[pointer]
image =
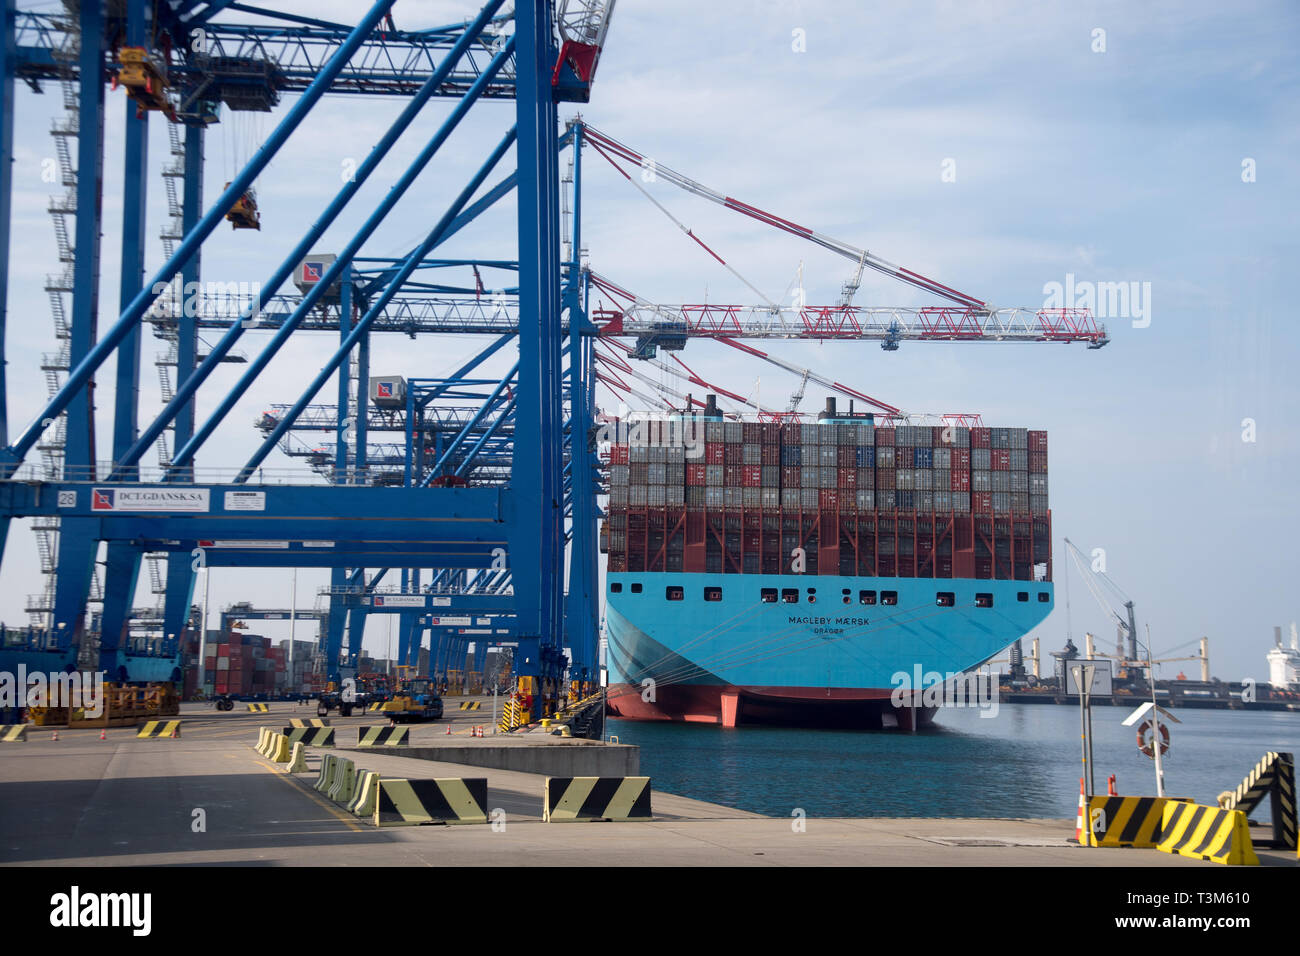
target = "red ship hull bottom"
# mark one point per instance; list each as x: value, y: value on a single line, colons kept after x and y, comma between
x: 864, y: 708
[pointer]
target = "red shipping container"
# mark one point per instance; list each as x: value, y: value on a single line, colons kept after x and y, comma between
x: 961, y: 459
x: 734, y: 454
x: 731, y: 474
x: 981, y: 438
x: 940, y: 437
x: 714, y: 453
x: 223, y: 650
x: 960, y: 481
x: 791, y: 476
x: 771, y: 454
x: 618, y: 454
x: 1001, y: 459
x: 830, y: 499
x: 751, y: 433
x: 1038, y: 441
x: 695, y: 473
x: 751, y: 476
x: 884, y: 436
x: 1038, y: 462
x: 981, y: 502
x: 847, y: 478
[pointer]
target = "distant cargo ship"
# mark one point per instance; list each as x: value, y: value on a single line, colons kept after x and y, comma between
x: 803, y: 573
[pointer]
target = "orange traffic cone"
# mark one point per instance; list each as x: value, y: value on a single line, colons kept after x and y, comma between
x: 56, y: 735
x: 1110, y: 786
x: 176, y: 731
x: 1079, y: 824
x: 103, y: 735
x: 449, y: 730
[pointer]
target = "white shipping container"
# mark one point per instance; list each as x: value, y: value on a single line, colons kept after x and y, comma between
x: 790, y: 499
x: 961, y: 502
x: 618, y: 475
x: 1038, y: 485
x: 638, y: 453
x: 618, y: 496
x: 1019, y: 481
x: 770, y: 497
x: 676, y: 455
x: 733, y: 432
x: 657, y: 473
x: 905, y: 479
x: 943, y: 457
x: 713, y: 475
x: 981, y: 480
x: 809, y: 498
x: 980, y: 459
x: 829, y: 456
x: 866, y: 499
x: 676, y: 496
x: 1038, y: 504
x: 713, y: 497
x: 752, y: 454
x: 829, y: 478
x: 713, y: 431
x: 636, y: 496
x: 1001, y: 502
x: 658, y: 454
x: 751, y: 497
x: 810, y: 477
x: 732, y: 497
x: 885, y: 456
x: 656, y: 496
x: 1001, y: 480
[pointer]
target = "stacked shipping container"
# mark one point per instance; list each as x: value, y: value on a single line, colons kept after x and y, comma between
x: 908, y: 501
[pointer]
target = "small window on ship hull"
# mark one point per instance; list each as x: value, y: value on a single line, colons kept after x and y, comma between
x: 713, y: 594
x: 789, y: 595
x: 767, y: 595
x: 888, y: 597
x: 866, y: 597
x: 945, y: 599
x: 983, y: 599
x: 673, y: 593
x: 615, y: 587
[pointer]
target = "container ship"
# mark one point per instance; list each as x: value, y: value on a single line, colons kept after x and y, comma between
x: 816, y: 573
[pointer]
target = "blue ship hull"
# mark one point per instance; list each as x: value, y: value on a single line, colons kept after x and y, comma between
x: 801, y: 649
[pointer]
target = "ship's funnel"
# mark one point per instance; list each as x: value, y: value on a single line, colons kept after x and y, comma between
x: 1277, y: 636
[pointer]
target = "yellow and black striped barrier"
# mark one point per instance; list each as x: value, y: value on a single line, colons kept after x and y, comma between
x: 308, y: 722
x: 377, y: 705
x: 1207, y: 833
x: 15, y: 734
x: 345, y: 780
x: 1126, y: 821
x: 326, y: 778
x: 297, y: 760
x: 1273, y: 776
x: 258, y: 709
x: 596, y: 798
x: 311, y: 736
x: 160, y: 728
x: 410, y: 803
x: 471, y: 704
x: 362, y: 803
x: 383, y: 736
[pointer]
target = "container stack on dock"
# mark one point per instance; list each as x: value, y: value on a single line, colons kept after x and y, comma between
x: 906, y: 501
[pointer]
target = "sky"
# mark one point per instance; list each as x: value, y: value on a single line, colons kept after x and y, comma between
x: 999, y: 147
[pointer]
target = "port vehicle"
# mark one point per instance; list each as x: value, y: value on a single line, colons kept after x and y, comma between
x: 357, y: 693
x: 416, y: 699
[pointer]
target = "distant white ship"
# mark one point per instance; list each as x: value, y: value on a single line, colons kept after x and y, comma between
x: 1284, y: 662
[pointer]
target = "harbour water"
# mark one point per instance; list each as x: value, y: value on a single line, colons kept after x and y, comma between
x: 1024, y: 762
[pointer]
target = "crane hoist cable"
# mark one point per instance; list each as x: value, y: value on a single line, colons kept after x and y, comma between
x: 599, y: 140
x: 686, y: 229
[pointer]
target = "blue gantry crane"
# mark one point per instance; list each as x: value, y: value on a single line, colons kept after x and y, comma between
x: 488, y: 501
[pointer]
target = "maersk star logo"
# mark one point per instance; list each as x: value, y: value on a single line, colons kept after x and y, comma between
x: 101, y: 500
x: 312, y: 271
x: 385, y: 389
